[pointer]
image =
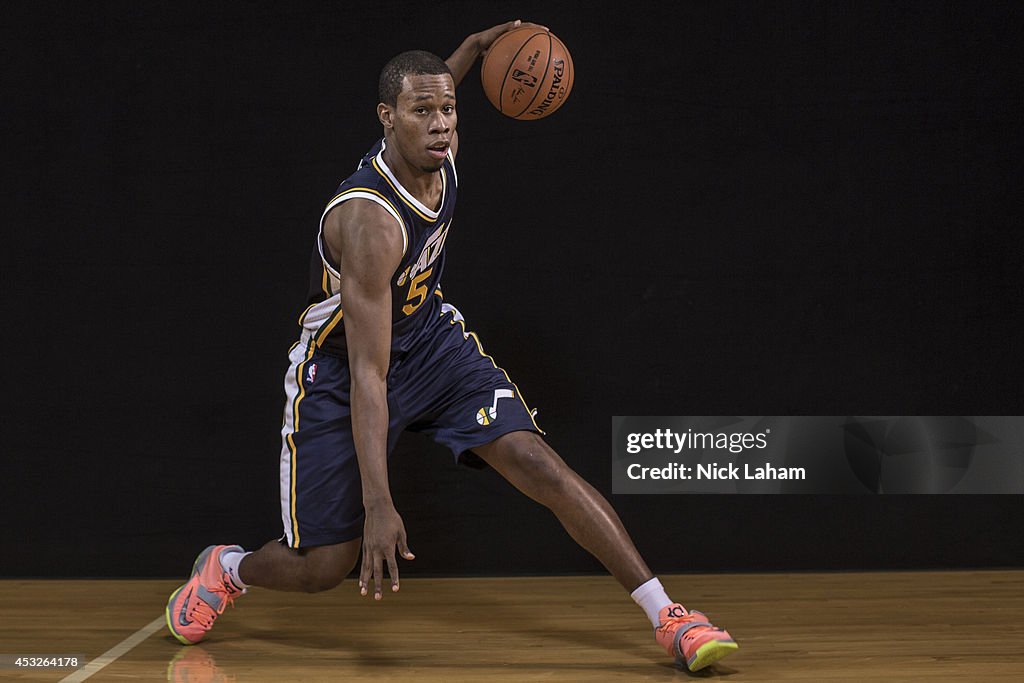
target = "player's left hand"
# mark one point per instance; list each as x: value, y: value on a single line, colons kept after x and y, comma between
x: 486, y: 38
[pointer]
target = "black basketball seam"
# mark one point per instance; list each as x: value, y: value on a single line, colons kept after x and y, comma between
x: 490, y: 51
x: 547, y: 66
x: 501, y: 92
x: 569, y: 71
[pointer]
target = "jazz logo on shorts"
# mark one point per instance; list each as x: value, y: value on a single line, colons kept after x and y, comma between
x: 489, y: 414
x: 311, y: 373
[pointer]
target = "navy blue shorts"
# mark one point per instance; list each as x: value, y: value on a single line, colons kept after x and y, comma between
x: 446, y: 387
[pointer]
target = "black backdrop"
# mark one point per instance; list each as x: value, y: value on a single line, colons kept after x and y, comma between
x: 744, y: 208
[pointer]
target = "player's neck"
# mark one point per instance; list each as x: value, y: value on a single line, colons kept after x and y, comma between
x: 423, y: 185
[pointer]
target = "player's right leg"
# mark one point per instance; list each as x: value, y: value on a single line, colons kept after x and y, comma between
x: 311, y: 570
x: 194, y: 606
x: 321, y: 504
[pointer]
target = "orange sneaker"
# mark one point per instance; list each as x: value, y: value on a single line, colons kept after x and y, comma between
x: 691, y: 638
x: 193, y: 608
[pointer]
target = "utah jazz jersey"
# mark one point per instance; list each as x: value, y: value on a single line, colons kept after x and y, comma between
x: 415, y: 284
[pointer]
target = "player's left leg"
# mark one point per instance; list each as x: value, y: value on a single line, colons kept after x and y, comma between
x: 533, y: 467
x: 483, y: 412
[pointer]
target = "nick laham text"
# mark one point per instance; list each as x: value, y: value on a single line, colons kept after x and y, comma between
x: 714, y: 471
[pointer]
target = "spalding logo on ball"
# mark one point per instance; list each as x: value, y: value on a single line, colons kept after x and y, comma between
x: 527, y: 73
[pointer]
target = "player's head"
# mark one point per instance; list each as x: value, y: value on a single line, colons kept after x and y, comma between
x: 417, y: 108
x: 411, y: 63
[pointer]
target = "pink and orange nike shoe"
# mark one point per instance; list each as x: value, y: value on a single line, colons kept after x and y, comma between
x: 691, y: 638
x: 194, y: 607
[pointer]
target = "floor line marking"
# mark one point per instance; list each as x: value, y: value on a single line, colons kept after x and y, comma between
x: 118, y: 650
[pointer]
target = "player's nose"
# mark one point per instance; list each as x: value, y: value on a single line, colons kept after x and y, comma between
x: 439, y: 123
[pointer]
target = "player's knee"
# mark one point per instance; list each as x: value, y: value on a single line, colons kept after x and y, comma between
x: 542, y: 465
x: 324, y: 571
x: 320, y: 582
x: 323, y: 578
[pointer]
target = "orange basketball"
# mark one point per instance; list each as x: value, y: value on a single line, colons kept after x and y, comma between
x: 527, y: 73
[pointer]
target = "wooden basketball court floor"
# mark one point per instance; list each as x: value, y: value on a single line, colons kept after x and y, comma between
x: 895, y: 626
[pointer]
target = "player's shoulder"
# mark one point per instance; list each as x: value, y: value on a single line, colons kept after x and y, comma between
x: 370, y: 155
x: 367, y: 224
x: 366, y: 182
x: 364, y: 207
x: 367, y: 171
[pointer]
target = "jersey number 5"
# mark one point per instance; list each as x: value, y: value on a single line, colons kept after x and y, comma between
x: 417, y: 292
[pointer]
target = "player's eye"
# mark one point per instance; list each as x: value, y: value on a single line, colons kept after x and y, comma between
x: 448, y: 109
x: 421, y: 110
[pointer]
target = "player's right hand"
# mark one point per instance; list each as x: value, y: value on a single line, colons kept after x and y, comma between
x: 486, y: 38
x: 383, y: 531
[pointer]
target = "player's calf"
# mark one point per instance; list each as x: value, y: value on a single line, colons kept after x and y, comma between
x: 307, y: 570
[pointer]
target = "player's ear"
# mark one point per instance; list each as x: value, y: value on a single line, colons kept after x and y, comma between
x: 385, y: 114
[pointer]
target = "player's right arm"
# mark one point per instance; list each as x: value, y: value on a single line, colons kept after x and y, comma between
x: 369, y: 246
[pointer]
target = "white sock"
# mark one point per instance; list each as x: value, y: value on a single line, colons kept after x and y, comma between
x: 652, y: 598
x: 230, y: 560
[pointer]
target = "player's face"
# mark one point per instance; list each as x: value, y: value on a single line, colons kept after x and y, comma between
x: 424, y: 120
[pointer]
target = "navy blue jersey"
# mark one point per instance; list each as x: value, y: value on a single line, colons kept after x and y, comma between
x: 415, y: 284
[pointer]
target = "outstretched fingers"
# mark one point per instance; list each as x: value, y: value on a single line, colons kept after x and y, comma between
x: 371, y: 570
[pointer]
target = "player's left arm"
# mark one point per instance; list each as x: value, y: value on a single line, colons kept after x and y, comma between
x: 477, y: 44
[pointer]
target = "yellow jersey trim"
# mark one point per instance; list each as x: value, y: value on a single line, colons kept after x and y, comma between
x: 299, y: 372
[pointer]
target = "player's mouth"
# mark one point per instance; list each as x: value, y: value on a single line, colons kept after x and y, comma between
x: 438, y: 150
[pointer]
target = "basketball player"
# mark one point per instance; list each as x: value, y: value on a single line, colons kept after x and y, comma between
x: 381, y: 352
